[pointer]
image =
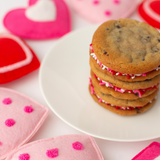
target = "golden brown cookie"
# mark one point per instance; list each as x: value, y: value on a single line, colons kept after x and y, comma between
x: 121, y: 111
x: 127, y: 46
x: 123, y: 84
x: 149, y: 75
x: 117, y: 94
x: 124, y: 102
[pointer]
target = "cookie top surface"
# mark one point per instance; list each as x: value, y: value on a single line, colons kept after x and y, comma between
x: 127, y: 46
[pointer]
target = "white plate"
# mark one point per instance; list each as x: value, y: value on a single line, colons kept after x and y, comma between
x: 64, y: 82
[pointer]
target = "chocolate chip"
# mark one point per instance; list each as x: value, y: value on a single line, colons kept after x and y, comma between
x: 107, y: 28
x: 136, y: 94
x: 145, y: 39
x: 148, y: 80
x: 155, y: 49
x: 118, y: 26
x: 158, y: 40
x: 138, y: 110
x: 105, y: 52
x: 143, y: 59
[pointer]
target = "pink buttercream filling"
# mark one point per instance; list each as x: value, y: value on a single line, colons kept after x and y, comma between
x: 116, y: 107
x: 139, y: 91
x: 118, y: 73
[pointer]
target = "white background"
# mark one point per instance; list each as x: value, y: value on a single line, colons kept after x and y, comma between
x: 29, y: 85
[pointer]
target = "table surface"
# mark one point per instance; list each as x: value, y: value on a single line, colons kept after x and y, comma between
x: 29, y: 85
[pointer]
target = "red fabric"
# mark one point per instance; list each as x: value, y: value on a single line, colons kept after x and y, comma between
x: 10, y: 53
x: 155, y: 5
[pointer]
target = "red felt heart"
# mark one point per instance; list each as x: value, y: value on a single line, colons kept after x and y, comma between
x: 17, y: 59
x: 9, y: 47
x: 150, y: 11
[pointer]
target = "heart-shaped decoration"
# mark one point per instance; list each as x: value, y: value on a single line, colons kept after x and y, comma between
x: 17, y: 125
x: 60, y: 148
x: 150, y: 12
x: 42, y: 19
x: 16, y: 60
x: 150, y: 152
x: 103, y: 10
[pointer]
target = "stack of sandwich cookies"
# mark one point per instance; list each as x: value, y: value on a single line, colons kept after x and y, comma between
x: 125, y: 66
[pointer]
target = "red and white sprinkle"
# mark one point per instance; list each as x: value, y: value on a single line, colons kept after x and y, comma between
x: 118, y: 73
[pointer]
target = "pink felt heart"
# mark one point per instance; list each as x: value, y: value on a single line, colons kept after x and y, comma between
x: 16, y: 125
x: 60, y: 148
x: 17, y: 21
x: 102, y: 10
x: 152, y: 152
x: 150, y: 12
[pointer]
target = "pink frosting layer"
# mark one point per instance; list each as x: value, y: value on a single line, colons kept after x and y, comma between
x: 116, y: 107
x: 139, y: 91
x: 118, y: 73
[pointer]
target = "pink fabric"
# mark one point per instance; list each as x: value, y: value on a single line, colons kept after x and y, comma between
x: 37, y: 150
x: 24, y: 156
x: 77, y: 146
x: 52, y: 153
x: 25, y: 126
x: 149, y: 153
x: 17, y: 23
x: 7, y: 101
x: 100, y: 11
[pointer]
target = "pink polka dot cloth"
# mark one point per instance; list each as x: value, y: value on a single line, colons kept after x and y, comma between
x: 152, y: 152
x: 60, y: 148
x: 99, y: 11
x: 20, y: 119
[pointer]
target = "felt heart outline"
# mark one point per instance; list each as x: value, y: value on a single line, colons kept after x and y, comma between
x: 148, y: 9
x: 19, y: 64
